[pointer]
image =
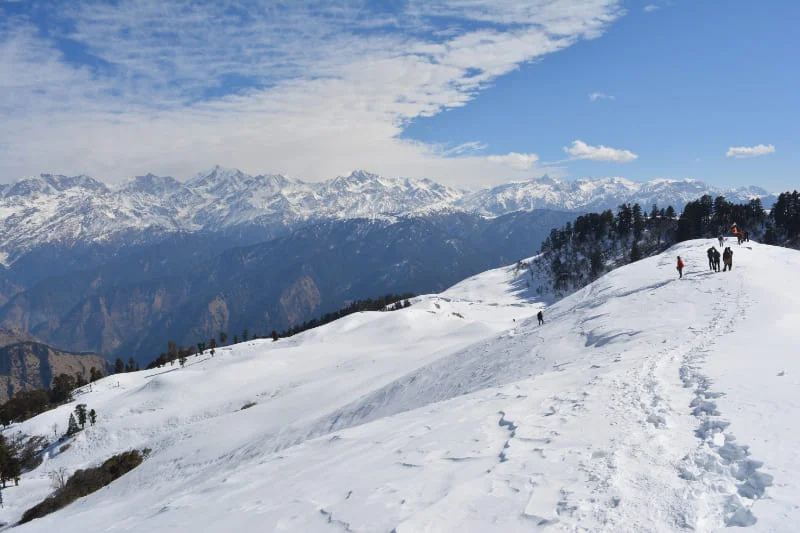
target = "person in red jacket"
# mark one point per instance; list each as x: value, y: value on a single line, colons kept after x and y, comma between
x: 680, y: 267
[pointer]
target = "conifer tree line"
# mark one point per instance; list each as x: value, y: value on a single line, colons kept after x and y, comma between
x: 180, y: 354
x: 390, y: 302
x: 709, y: 217
x: 595, y: 243
x: 121, y: 368
x: 27, y: 404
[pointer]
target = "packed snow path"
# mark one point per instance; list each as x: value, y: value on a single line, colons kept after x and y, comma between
x: 645, y: 403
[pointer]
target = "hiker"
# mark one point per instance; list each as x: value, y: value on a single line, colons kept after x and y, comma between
x: 716, y: 260
x: 540, y: 316
x: 710, y: 254
x: 680, y: 267
x: 746, y: 236
x: 721, y: 241
x: 727, y: 259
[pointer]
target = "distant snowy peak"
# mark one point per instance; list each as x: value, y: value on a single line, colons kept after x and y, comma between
x: 50, y: 184
x: 54, y: 208
x: 152, y: 185
x: 596, y: 194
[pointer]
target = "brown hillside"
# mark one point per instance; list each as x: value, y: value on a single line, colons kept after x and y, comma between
x: 32, y: 365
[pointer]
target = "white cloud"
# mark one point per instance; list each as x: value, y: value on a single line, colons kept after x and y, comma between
x: 515, y: 160
x: 467, y: 148
x: 328, y: 87
x: 600, y: 96
x: 740, y: 152
x: 649, y: 8
x: 581, y: 150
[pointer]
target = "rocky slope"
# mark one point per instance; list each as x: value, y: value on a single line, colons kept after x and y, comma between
x: 31, y: 365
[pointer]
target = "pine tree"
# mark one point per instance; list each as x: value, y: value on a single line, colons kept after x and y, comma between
x: 72, y: 425
x: 92, y: 417
x: 636, y: 254
x: 131, y: 365
x: 80, y: 411
x: 244, y: 335
x: 5, y: 457
x: 95, y: 374
x: 182, y: 359
x: 223, y: 338
x: 119, y: 366
x: 235, y: 339
x: 274, y: 335
x: 62, y: 387
x: 172, y: 351
x: 638, y: 222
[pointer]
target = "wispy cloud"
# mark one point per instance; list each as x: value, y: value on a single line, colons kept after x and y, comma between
x: 306, y: 88
x: 515, y: 160
x: 471, y: 148
x: 600, y: 96
x: 583, y: 151
x: 741, y: 152
x: 649, y: 8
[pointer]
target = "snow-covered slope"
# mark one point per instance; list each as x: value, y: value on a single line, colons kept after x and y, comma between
x: 644, y: 403
x: 67, y: 210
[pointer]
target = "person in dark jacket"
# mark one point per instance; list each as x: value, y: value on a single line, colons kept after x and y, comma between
x: 716, y: 260
x: 710, y: 253
x: 540, y: 316
x: 727, y: 259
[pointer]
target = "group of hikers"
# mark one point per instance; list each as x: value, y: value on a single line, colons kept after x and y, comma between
x: 714, y: 255
x: 713, y: 259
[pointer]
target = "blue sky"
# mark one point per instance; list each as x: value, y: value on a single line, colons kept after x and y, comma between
x: 468, y: 93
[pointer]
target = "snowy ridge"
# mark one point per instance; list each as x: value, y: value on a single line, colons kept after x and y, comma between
x: 69, y: 210
x: 596, y: 194
x: 644, y: 403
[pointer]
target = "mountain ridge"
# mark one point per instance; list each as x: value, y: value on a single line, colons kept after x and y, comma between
x: 49, y: 209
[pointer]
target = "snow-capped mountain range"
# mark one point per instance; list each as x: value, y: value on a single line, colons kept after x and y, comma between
x: 67, y: 210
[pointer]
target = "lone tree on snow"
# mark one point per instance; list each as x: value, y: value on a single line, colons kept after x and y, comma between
x: 72, y: 425
x: 80, y: 410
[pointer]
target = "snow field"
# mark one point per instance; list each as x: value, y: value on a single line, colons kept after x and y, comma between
x: 645, y: 403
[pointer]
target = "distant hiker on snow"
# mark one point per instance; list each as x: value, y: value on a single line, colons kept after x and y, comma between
x: 727, y: 259
x: 680, y: 267
x: 716, y: 260
x: 540, y: 316
x: 721, y: 241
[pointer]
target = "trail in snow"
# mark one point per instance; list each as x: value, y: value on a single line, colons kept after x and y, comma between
x: 462, y: 414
